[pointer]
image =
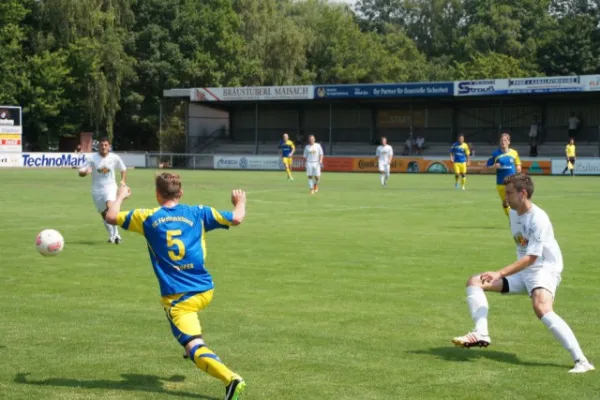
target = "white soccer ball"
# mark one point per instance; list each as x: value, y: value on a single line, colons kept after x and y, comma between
x: 49, y: 242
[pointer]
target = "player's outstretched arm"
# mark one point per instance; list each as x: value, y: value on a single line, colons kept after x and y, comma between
x: 238, y: 199
x: 115, y: 207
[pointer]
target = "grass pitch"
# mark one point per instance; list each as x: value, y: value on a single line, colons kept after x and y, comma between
x: 353, y: 293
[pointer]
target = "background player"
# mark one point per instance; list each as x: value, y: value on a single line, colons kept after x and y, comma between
x: 570, y: 153
x: 459, y: 155
x: 384, y: 154
x: 175, y: 233
x: 104, y: 188
x: 537, y: 272
x: 506, y: 161
x: 287, y: 152
x: 313, y: 155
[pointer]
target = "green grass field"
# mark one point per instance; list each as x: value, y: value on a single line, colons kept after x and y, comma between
x: 353, y: 293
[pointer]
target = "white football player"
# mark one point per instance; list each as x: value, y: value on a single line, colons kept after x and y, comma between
x: 104, y: 188
x: 384, y: 155
x: 536, y: 272
x: 313, y: 156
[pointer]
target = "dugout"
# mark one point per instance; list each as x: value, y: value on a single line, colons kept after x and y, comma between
x: 259, y: 123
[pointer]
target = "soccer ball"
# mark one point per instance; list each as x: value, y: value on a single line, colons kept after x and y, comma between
x: 49, y: 242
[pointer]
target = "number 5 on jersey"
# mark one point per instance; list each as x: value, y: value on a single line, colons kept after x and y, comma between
x: 172, y: 242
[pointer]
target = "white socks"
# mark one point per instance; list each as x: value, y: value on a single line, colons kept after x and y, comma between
x: 383, y: 178
x: 563, y: 333
x: 111, y: 229
x: 311, y: 185
x: 478, y: 306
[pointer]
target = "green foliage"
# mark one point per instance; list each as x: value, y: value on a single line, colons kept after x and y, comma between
x: 101, y: 65
x: 491, y: 65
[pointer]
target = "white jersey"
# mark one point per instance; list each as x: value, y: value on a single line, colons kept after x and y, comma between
x: 384, y: 154
x: 103, y: 171
x: 313, y: 153
x: 534, y: 235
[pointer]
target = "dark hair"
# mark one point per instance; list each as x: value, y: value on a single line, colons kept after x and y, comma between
x: 520, y: 182
x: 104, y: 139
x: 168, y: 185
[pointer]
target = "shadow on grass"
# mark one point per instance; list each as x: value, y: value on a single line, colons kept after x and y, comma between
x: 130, y: 382
x: 461, y: 355
x: 87, y: 242
x: 473, y: 227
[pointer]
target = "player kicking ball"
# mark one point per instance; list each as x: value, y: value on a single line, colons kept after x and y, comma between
x: 175, y: 234
x: 104, y: 188
x: 537, y: 272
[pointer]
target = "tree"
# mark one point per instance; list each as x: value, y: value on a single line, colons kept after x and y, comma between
x: 12, y: 55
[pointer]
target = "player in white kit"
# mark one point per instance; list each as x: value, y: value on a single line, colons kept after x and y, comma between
x: 384, y: 155
x: 313, y: 156
x: 104, y: 188
x: 537, y: 272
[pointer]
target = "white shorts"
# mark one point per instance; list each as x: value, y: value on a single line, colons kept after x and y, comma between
x: 527, y: 280
x: 313, y: 169
x: 100, y: 199
x: 384, y: 167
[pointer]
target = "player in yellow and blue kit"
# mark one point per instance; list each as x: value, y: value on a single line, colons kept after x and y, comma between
x: 175, y: 236
x: 506, y: 161
x: 287, y: 152
x: 459, y: 155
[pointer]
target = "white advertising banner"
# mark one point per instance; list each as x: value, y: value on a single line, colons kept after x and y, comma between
x: 552, y: 84
x: 252, y: 93
x: 484, y: 87
x: 591, y: 83
x: 11, y: 142
x: 60, y: 160
x: 248, y: 162
x: 10, y: 160
x: 583, y: 166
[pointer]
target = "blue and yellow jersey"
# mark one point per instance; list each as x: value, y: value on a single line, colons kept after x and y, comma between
x: 508, y: 164
x: 286, y: 148
x: 176, y: 242
x: 460, y: 152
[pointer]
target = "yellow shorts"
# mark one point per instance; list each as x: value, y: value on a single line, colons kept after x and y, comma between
x: 501, y: 191
x: 460, y: 168
x: 182, y: 311
x: 287, y: 162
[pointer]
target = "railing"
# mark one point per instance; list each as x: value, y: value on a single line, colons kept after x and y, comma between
x: 203, y: 143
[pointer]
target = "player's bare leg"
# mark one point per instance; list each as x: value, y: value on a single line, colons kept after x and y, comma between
x: 542, y: 301
x: 288, y: 171
x: 478, y: 307
x: 316, y: 179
